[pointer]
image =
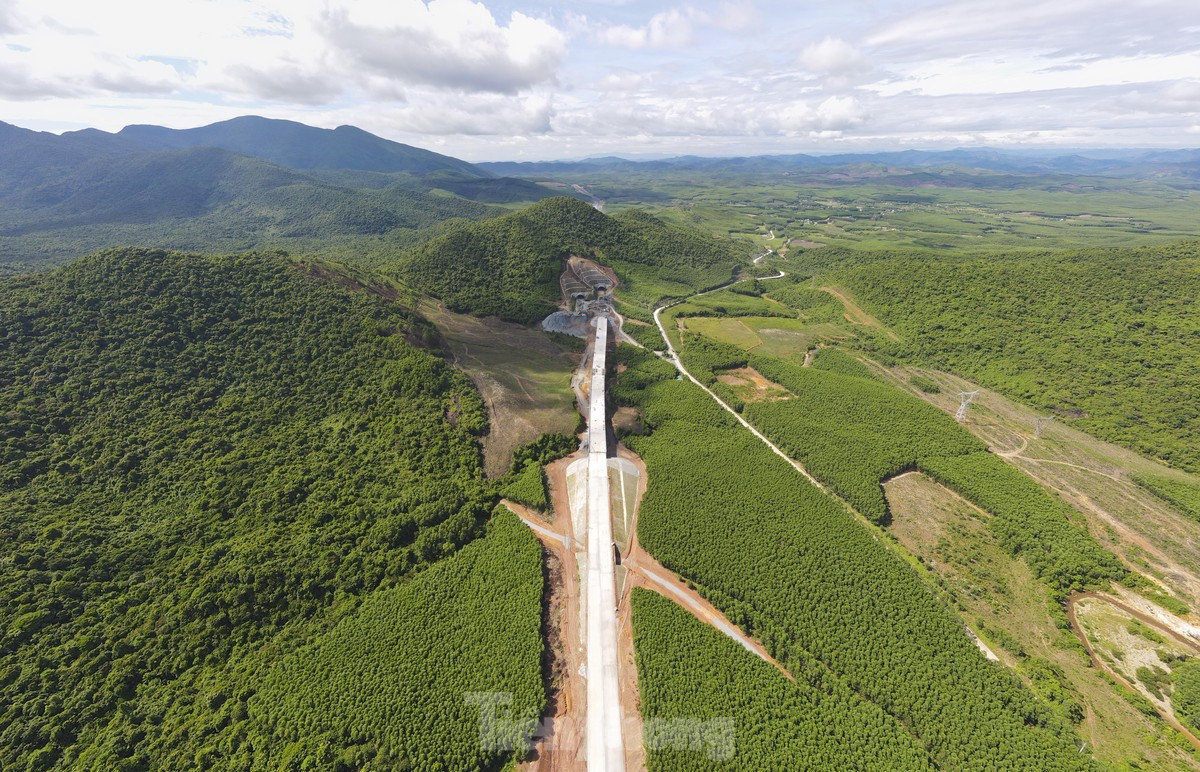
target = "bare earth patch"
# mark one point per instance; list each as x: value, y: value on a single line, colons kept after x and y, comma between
x: 750, y: 385
x: 522, y: 375
x: 1010, y: 607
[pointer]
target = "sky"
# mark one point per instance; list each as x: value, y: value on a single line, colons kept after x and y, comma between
x: 537, y: 80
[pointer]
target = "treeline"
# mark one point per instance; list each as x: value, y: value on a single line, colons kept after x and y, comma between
x: 815, y: 305
x: 1181, y: 494
x: 509, y: 266
x: 526, y: 481
x: 1105, y: 339
x: 785, y: 562
x: 729, y: 302
x: 853, y: 433
x: 204, y: 460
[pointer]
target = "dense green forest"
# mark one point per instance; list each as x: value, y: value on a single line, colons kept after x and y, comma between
x: 509, y: 266
x: 205, y: 463
x: 707, y: 703
x: 1106, y: 339
x: 526, y: 481
x: 788, y: 564
x: 208, y: 199
x: 1185, y: 695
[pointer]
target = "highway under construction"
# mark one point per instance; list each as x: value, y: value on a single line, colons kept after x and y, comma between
x: 605, y: 749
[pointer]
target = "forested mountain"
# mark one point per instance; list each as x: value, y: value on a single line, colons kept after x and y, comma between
x: 509, y: 266
x: 239, y: 192
x: 298, y: 146
x: 286, y: 143
x: 208, y: 464
x: 243, y: 184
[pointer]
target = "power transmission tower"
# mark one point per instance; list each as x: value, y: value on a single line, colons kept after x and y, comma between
x: 1040, y: 424
x: 966, y: 397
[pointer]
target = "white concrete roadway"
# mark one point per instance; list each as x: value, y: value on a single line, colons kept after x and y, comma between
x: 605, y: 749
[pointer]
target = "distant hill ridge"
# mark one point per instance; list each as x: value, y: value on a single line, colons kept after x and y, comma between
x: 298, y: 146
x: 287, y: 143
x: 245, y: 183
x: 1116, y: 162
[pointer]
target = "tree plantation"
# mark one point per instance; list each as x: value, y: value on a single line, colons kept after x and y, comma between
x: 784, y: 561
x: 710, y: 704
x: 853, y: 432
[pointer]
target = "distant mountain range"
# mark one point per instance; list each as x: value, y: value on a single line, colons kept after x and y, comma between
x: 239, y: 184
x: 254, y: 182
x: 1185, y: 163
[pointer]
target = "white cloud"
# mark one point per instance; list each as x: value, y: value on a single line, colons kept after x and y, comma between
x: 1026, y: 72
x: 668, y: 29
x: 447, y: 43
x: 441, y: 114
x: 1069, y: 27
x: 834, y: 114
x: 314, y: 52
x: 622, y: 81
x: 832, y: 55
x: 677, y: 27
x: 39, y: 71
x: 8, y: 19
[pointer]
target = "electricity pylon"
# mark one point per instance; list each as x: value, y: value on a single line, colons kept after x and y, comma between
x: 1039, y: 426
x: 966, y: 397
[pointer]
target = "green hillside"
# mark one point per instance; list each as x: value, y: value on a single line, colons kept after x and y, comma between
x: 1104, y: 339
x: 209, y: 199
x: 205, y: 464
x: 245, y: 184
x: 509, y: 266
x: 298, y: 146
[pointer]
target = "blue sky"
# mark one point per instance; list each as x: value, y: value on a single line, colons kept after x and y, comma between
x: 540, y: 80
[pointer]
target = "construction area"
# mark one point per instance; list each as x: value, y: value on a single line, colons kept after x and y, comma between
x: 586, y: 294
x: 591, y: 544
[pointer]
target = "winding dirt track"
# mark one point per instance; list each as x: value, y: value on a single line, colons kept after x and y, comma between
x: 1100, y: 664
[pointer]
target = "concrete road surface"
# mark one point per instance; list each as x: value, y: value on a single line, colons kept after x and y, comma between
x: 605, y: 750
